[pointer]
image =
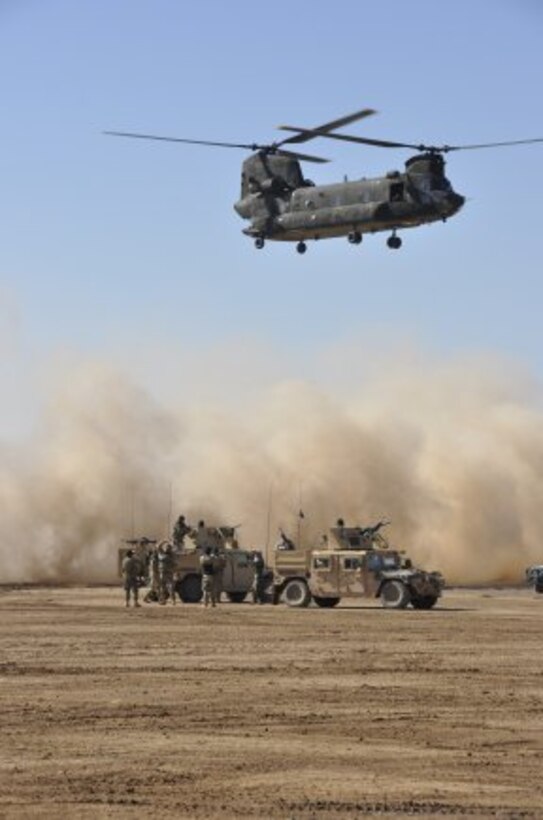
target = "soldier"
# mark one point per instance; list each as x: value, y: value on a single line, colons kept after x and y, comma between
x: 179, y: 531
x: 258, y: 581
x: 284, y: 543
x: 207, y: 567
x: 200, y: 535
x: 219, y: 563
x: 131, y: 576
x: 154, y: 578
x: 165, y: 573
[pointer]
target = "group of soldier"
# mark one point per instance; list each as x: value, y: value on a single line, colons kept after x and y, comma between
x: 160, y: 568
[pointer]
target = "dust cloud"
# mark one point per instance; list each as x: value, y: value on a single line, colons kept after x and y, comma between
x: 450, y: 452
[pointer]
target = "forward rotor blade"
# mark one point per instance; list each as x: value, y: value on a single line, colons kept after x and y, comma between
x: 305, y: 134
x: 270, y: 149
x: 296, y: 155
x: 250, y: 147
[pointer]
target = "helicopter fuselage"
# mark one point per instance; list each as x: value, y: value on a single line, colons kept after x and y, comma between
x: 283, y: 206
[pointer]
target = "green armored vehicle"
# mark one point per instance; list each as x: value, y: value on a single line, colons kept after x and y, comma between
x: 353, y: 562
x: 237, y: 565
x: 237, y: 571
x: 534, y: 577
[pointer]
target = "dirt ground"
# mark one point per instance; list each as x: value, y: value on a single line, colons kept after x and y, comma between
x: 266, y: 711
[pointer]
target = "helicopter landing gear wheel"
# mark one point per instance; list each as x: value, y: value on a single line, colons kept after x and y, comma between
x: 301, y: 247
x: 394, y: 242
x: 259, y: 242
x: 355, y: 238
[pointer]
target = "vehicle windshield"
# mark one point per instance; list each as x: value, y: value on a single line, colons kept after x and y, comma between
x: 381, y: 561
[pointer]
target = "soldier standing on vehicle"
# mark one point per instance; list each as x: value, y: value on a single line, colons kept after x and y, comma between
x: 208, y: 568
x: 180, y: 530
x: 131, y: 570
x: 200, y: 535
x: 284, y: 543
x: 165, y: 573
x: 219, y: 563
x: 258, y: 581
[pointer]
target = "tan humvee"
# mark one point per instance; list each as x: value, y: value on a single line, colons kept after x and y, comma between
x: 353, y: 562
x: 237, y: 573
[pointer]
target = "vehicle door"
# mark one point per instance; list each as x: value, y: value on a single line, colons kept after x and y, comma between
x: 238, y: 572
x: 323, y: 579
x: 351, y: 578
x: 371, y: 573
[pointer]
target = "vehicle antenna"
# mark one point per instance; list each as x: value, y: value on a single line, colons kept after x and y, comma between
x: 169, y: 518
x: 301, y: 515
x: 268, y: 523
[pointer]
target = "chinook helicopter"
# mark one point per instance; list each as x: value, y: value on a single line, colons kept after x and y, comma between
x: 282, y: 205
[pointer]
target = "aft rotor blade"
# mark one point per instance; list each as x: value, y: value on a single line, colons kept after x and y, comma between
x: 305, y: 134
x: 250, y: 147
x: 446, y: 148
x: 437, y: 149
x: 349, y: 138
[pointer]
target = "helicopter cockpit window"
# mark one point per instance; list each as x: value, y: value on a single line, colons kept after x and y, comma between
x: 440, y: 183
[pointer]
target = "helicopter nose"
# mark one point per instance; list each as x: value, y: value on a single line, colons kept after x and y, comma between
x: 457, y: 200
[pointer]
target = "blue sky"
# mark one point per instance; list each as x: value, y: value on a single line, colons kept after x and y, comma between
x: 123, y: 249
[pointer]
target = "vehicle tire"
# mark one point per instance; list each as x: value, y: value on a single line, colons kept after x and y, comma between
x: 236, y: 597
x: 190, y: 589
x: 423, y: 602
x: 326, y: 603
x: 296, y: 593
x: 394, y: 595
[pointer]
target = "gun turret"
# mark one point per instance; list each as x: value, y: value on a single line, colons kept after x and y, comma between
x: 369, y: 532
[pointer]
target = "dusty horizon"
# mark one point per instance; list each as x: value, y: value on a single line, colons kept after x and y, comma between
x: 450, y: 452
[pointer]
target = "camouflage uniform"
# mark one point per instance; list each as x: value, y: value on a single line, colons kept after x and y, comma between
x: 180, y: 530
x: 154, y: 579
x: 200, y: 536
x: 208, y: 569
x: 131, y: 570
x: 165, y: 573
x: 257, y: 588
x: 219, y: 563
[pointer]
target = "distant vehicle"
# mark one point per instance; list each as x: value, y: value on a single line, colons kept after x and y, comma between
x: 282, y: 205
x: 534, y: 577
x: 354, y: 562
x: 237, y: 575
